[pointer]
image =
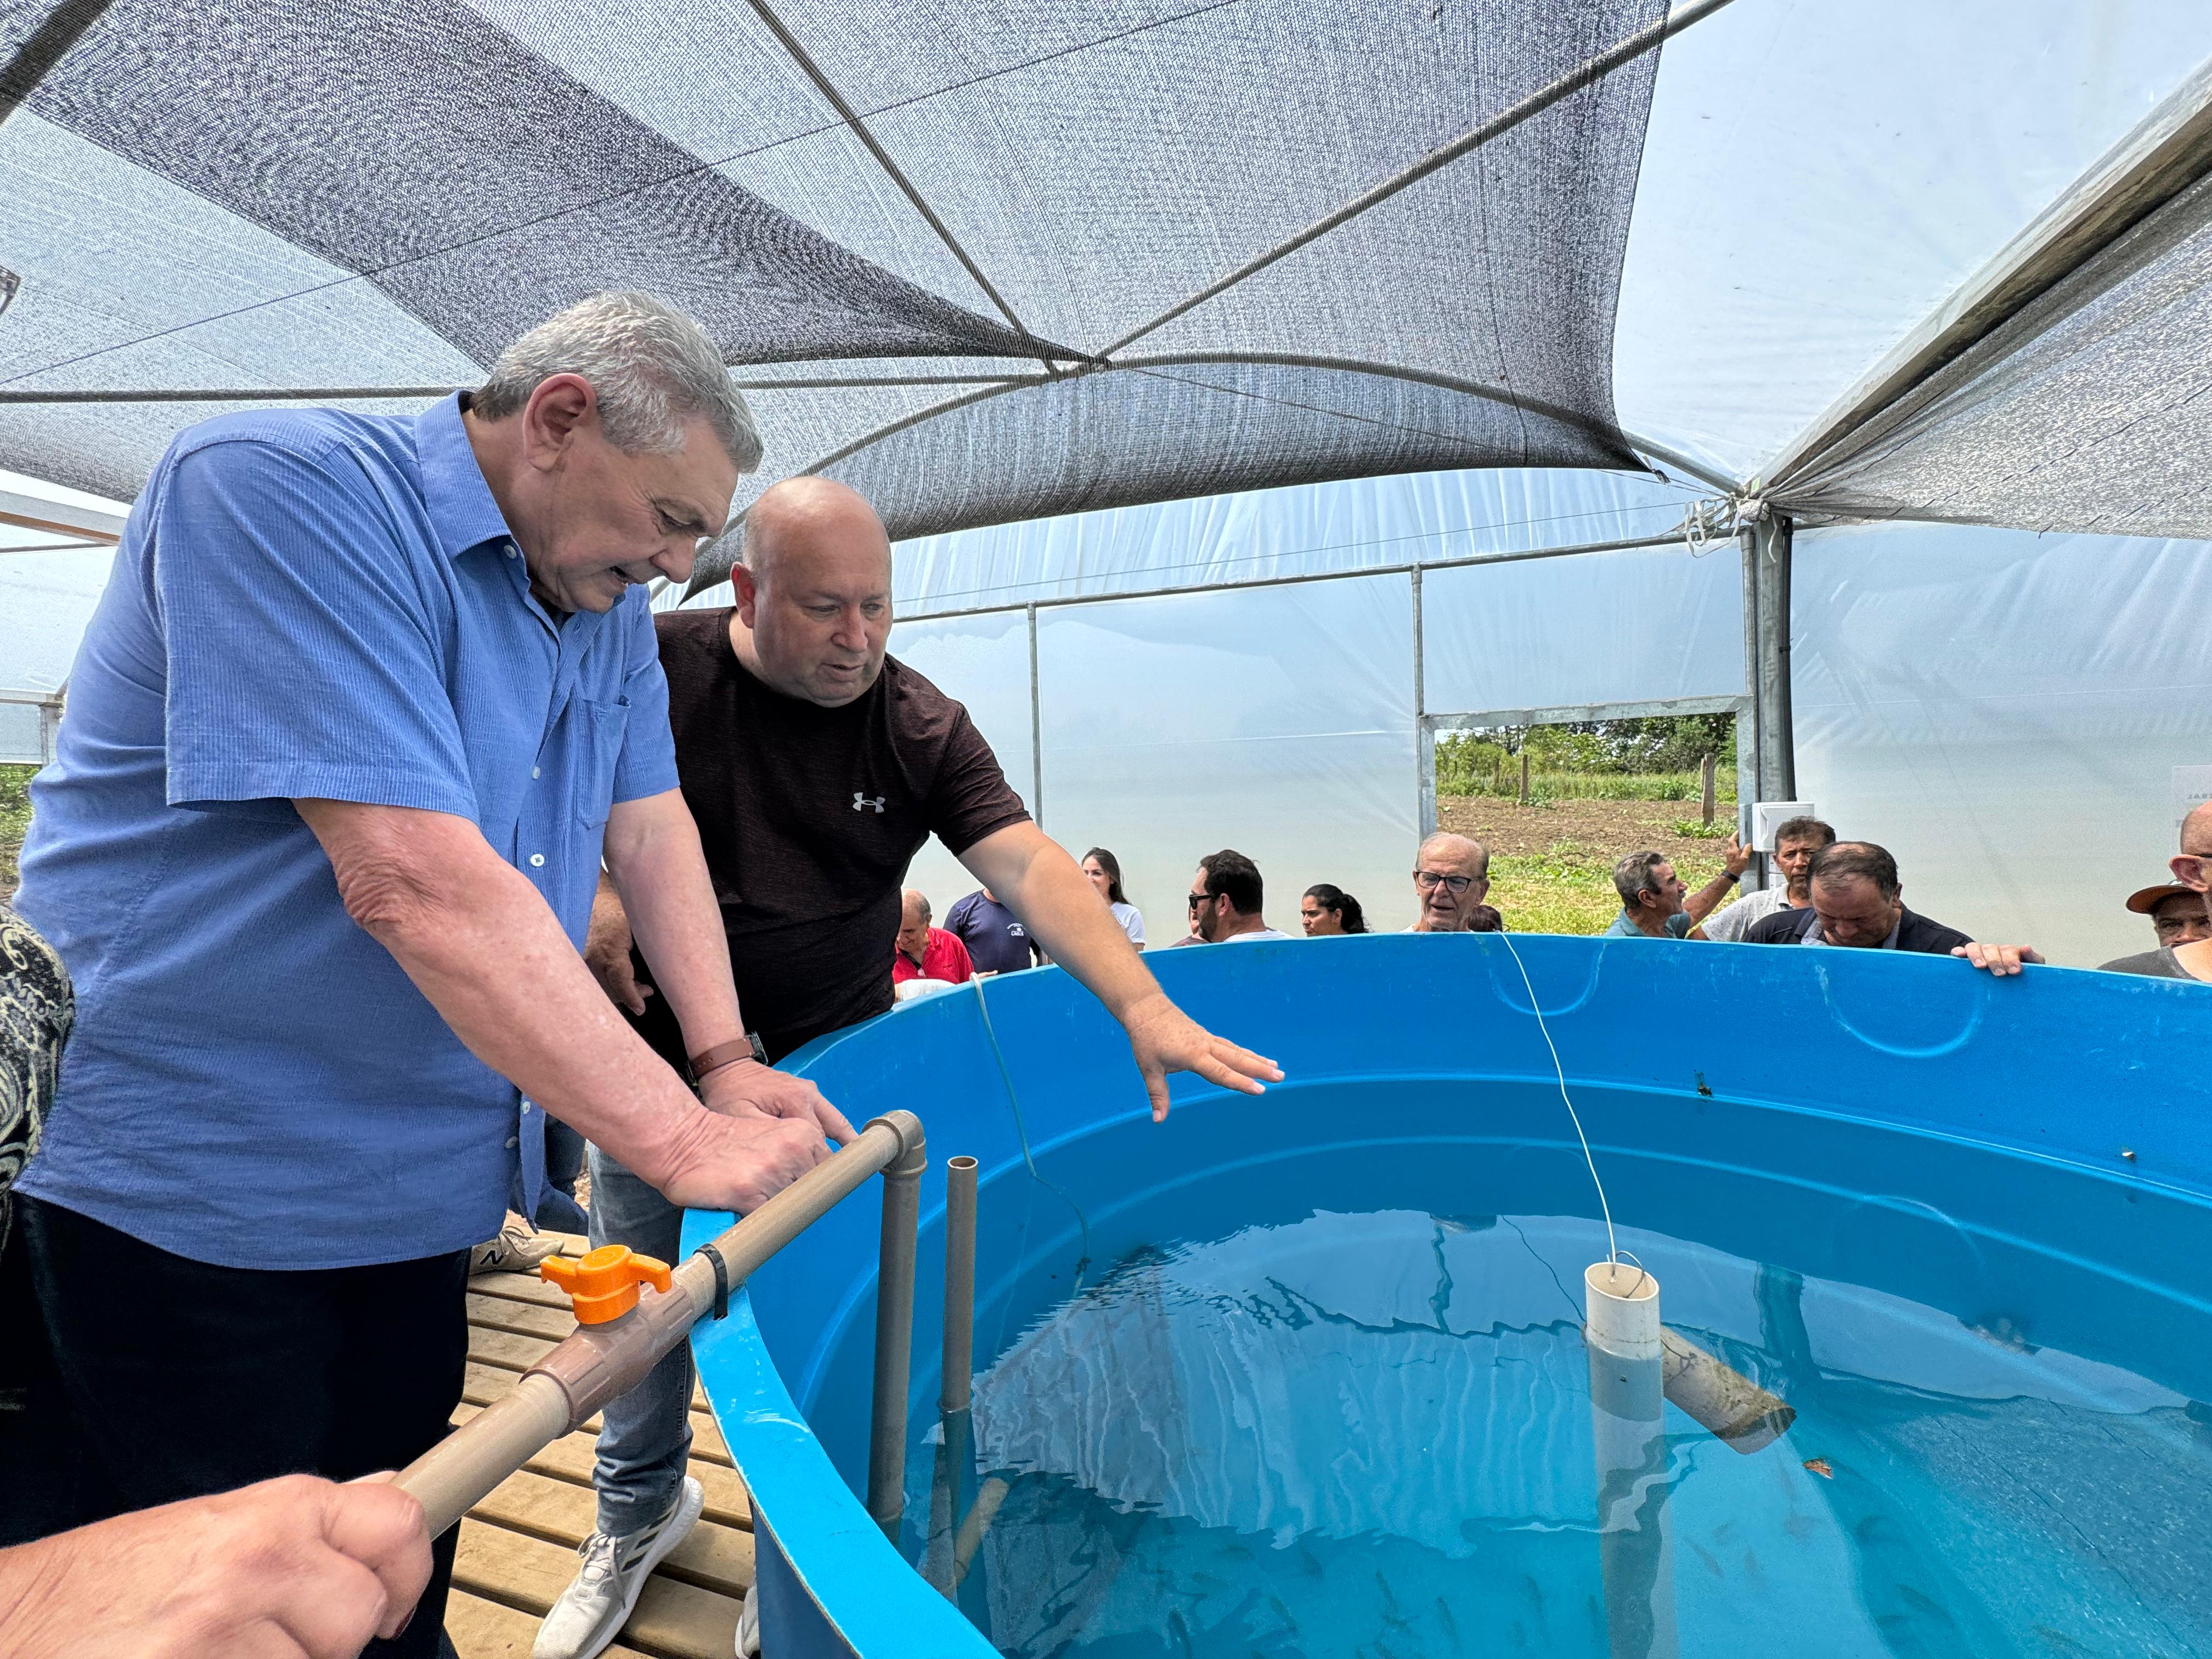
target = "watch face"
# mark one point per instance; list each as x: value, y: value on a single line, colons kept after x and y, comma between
x: 760, y: 1048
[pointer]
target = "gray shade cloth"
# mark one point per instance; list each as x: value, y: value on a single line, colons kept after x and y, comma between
x: 365, y: 192
x: 2087, y: 412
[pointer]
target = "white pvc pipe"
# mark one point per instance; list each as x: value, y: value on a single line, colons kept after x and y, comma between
x: 1621, y: 1305
x: 1635, y: 1554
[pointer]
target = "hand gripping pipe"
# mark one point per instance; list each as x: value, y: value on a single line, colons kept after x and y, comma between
x: 601, y: 1362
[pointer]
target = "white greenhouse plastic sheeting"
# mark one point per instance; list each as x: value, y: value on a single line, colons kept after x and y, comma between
x: 1307, y: 530
x: 1599, y: 628
x: 1276, y: 721
x: 2006, y: 712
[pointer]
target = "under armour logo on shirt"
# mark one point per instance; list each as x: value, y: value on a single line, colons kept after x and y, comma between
x: 864, y: 803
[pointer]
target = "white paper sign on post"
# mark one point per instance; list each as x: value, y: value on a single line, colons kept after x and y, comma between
x: 2193, y: 787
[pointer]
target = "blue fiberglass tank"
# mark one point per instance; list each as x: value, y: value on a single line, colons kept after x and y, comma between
x: 1304, y: 1374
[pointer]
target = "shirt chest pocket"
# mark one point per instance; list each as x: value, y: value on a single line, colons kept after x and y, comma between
x: 597, y: 731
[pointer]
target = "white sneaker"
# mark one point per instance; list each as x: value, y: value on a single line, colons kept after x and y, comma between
x: 592, y: 1610
x: 516, y: 1250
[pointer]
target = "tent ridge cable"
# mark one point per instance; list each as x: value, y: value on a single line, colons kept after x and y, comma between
x: 851, y: 118
x: 1583, y: 75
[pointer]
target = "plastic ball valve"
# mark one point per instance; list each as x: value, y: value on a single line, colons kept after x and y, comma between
x: 603, y: 1285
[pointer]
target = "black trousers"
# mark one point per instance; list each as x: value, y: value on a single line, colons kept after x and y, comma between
x: 183, y: 1379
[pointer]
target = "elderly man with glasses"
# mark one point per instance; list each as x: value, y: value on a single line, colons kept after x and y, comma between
x: 1451, y: 875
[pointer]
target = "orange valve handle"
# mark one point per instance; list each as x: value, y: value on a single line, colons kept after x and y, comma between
x: 603, y: 1286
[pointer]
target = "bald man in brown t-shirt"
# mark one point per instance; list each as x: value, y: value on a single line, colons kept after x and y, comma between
x: 815, y: 766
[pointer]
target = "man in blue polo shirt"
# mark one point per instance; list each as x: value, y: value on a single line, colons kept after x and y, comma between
x: 363, y: 704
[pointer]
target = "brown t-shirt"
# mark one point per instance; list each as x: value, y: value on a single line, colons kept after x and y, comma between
x: 809, y: 817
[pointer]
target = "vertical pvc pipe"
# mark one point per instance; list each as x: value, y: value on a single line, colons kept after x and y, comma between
x: 1627, y: 1384
x: 956, y: 1371
x: 959, y: 1282
x: 894, y: 1340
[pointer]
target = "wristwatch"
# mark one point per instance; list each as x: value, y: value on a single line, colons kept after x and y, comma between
x: 749, y: 1047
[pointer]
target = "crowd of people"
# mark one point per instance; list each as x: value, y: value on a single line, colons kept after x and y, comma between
x: 398, y: 862
x: 1833, y: 893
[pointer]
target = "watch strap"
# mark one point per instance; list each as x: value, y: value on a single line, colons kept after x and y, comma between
x: 748, y: 1047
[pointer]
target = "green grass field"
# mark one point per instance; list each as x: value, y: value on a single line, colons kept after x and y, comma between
x: 14, y: 820
x: 1593, y: 786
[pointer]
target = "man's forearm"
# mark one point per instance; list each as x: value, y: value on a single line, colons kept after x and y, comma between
x: 1035, y: 878
x: 1703, y: 902
x: 483, y: 945
x: 655, y: 861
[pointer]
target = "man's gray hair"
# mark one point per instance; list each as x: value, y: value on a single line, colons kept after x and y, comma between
x: 652, y: 367
x: 916, y: 899
x: 1446, y: 837
x: 1631, y: 875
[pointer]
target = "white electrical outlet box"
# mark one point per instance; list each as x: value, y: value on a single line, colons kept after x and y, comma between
x: 1768, y: 815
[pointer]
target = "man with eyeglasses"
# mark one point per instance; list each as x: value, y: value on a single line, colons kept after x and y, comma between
x: 1451, y: 875
x: 1225, y: 897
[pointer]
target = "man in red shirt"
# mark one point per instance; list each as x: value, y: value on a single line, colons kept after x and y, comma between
x: 927, y: 952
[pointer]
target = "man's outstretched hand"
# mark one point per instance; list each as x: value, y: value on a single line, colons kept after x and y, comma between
x: 297, y: 1568
x: 751, y: 1089
x: 1165, y: 1039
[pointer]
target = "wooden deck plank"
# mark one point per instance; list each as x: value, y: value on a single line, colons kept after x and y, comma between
x: 523, y: 1318
x: 486, y: 1630
x: 510, y: 1353
x: 570, y: 1459
x: 482, y: 1384
x: 520, y: 1287
x: 712, y: 1556
x: 673, y: 1620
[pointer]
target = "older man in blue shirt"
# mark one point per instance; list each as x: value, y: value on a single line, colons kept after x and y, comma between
x: 364, y: 703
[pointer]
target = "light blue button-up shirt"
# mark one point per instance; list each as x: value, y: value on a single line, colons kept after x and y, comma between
x: 309, y: 604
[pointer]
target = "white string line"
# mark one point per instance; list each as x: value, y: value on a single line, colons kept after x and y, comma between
x: 1022, y: 1129
x: 1612, y: 1244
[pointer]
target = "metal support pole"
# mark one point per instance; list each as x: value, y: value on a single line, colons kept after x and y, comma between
x: 1425, y: 735
x: 1036, y: 730
x: 1777, y: 749
x: 894, y: 1340
x: 1770, y: 749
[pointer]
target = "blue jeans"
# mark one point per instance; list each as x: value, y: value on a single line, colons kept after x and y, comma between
x: 645, y: 1436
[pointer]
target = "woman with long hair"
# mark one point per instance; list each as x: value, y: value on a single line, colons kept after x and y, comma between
x: 1105, y: 872
x: 1327, y: 909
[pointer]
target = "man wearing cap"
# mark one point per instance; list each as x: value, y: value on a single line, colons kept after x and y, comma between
x: 2177, y: 916
x: 2178, y: 910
